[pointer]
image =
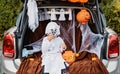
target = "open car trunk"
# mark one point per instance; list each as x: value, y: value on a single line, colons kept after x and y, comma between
x: 77, y: 37
x: 70, y: 32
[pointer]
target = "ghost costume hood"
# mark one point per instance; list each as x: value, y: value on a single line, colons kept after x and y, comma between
x: 52, y: 28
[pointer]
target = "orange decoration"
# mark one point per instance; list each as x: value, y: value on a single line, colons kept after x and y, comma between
x: 83, y: 1
x: 83, y: 16
x: 73, y: 1
x: 69, y: 57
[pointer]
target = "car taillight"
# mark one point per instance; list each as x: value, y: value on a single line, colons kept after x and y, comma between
x: 8, y: 46
x: 113, y: 47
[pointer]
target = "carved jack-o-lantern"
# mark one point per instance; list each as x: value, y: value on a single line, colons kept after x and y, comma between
x: 83, y: 16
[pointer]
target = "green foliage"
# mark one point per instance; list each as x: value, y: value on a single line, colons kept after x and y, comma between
x: 9, y: 9
x: 111, y: 9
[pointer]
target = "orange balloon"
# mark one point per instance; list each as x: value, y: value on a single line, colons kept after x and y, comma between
x: 73, y: 1
x: 83, y: 1
x: 83, y: 16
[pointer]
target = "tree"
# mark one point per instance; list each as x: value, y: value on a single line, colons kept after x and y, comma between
x: 8, y: 12
x: 111, y: 9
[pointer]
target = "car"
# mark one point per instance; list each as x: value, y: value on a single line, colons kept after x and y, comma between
x: 20, y: 35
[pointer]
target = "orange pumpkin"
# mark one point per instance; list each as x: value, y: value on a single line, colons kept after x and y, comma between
x: 83, y: 16
x: 69, y: 56
x: 73, y: 1
x: 83, y: 1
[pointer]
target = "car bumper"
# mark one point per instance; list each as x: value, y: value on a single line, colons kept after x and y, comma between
x: 8, y: 66
x: 112, y: 66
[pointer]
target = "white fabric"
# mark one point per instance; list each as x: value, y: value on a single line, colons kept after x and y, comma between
x: 43, y: 15
x: 52, y: 28
x: 91, y: 42
x: 62, y: 15
x: 32, y: 15
x: 46, y: 14
x: 51, y: 56
x: 53, y: 15
x: 70, y: 14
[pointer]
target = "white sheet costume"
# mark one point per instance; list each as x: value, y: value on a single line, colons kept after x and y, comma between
x: 51, y: 56
x: 52, y: 50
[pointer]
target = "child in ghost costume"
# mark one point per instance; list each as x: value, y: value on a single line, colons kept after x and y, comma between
x: 52, y: 47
